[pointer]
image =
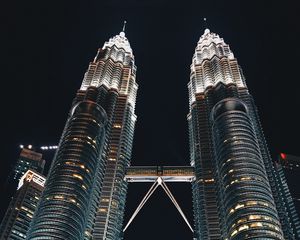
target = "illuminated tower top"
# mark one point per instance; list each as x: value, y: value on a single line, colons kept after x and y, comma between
x: 119, y: 41
x: 114, y: 68
x: 209, y: 45
x: 213, y: 62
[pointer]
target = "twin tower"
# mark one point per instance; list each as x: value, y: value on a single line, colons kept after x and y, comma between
x: 237, y: 192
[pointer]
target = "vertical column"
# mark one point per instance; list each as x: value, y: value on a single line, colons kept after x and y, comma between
x: 248, y: 209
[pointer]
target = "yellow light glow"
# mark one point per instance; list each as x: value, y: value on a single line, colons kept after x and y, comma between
x: 78, y: 176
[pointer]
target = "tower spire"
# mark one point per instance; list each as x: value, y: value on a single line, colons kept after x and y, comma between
x: 95, y: 58
x: 123, y: 29
x: 124, y: 26
x: 205, y: 25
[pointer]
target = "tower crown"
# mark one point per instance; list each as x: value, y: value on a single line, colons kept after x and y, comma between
x: 113, y: 67
x: 210, y: 44
x: 120, y: 41
x: 213, y: 62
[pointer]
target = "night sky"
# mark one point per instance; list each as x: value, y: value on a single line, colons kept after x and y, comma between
x: 46, y: 49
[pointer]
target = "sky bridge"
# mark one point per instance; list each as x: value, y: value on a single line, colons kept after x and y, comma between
x: 166, y: 173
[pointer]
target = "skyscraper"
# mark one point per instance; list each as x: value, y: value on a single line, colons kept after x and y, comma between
x: 236, y: 194
x: 289, y: 162
x: 18, y: 216
x: 28, y: 159
x: 114, y: 68
x: 84, y: 195
x: 237, y: 191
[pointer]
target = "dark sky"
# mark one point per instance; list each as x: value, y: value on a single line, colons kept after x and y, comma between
x: 46, y: 48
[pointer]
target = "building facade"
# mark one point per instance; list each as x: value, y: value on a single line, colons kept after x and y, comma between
x: 114, y: 68
x: 17, y: 219
x: 85, y: 192
x: 236, y: 194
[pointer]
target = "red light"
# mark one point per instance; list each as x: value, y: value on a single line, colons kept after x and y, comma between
x: 283, y: 156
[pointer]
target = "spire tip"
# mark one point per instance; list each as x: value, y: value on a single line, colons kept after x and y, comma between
x: 124, y: 26
x: 206, y: 31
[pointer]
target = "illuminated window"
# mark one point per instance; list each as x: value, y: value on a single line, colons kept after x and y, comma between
x: 82, y: 166
x: 102, y: 209
x: 234, y: 233
x: 209, y: 180
x: 58, y: 197
x: 245, y: 178
x: 249, y: 203
x: 243, y: 227
x: 254, y: 217
x: 239, y: 206
x: 78, y: 176
x: 241, y: 220
x: 258, y: 224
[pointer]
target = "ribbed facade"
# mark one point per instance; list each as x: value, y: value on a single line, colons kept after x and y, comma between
x: 236, y: 194
x: 85, y: 193
x: 114, y: 69
x: 62, y: 211
x: 246, y: 204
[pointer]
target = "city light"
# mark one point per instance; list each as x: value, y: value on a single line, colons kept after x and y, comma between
x: 283, y: 156
x: 32, y: 176
x: 49, y: 147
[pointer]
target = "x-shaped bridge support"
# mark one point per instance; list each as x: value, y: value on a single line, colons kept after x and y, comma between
x: 159, y: 182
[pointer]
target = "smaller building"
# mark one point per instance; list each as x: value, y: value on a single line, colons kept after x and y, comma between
x: 18, y: 216
x: 289, y: 162
x: 291, y: 169
x: 288, y: 168
x: 28, y: 159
